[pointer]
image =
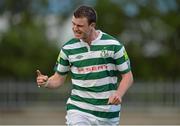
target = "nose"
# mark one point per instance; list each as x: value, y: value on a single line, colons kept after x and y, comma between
x: 75, y: 27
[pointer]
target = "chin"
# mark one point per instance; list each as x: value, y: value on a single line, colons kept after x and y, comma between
x: 77, y: 36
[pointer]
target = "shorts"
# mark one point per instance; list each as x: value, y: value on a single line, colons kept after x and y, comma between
x: 78, y: 118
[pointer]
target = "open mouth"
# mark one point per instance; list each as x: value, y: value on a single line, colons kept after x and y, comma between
x: 77, y: 34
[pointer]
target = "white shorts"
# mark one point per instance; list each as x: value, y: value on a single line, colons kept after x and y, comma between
x: 77, y: 118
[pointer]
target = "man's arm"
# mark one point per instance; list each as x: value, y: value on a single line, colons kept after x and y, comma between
x: 125, y: 83
x: 50, y: 82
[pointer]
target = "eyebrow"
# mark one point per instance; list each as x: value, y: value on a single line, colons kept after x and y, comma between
x: 77, y: 24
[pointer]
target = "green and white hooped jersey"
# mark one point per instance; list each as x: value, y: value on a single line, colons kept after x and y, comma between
x: 94, y: 70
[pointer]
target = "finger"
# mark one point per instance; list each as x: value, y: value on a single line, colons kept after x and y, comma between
x: 41, y: 80
x: 38, y: 73
x: 116, y: 101
x: 40, y: 83
x: 120, y: 100
x: 109, y: 101
x: 113, y: 100
x: 45, y: 78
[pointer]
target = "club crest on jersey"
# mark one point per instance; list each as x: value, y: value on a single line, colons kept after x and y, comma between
x: 104, y: 53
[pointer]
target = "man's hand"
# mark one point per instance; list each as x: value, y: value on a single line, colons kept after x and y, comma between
x: 41, y: 79
x: 114, y: 99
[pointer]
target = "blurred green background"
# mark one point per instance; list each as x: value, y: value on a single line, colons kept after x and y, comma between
x: 33, y: 31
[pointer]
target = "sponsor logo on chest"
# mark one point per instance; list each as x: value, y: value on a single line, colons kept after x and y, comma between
x: 92, y: 69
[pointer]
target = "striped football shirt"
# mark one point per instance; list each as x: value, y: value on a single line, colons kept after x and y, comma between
x: 94, y: 71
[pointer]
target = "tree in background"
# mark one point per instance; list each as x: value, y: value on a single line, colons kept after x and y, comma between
x: 150, y: 31
x: 24, y: 47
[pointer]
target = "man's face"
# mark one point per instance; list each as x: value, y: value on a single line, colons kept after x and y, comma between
x: 81, y: 28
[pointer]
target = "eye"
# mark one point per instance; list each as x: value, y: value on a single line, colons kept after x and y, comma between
x: 80, y: 26
x: 73, y: 24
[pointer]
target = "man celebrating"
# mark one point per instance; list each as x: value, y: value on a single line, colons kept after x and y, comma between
x: 96, y: 60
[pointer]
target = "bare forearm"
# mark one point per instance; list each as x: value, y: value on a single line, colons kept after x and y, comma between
x: 125, y: 83
x: 55, y: 81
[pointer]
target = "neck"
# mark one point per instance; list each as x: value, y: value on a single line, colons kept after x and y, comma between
x: 92, y: 36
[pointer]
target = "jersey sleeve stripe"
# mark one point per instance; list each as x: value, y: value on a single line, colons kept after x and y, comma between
x: 123, y: 66
x: 63, y: 62
x: 120, y: 60
x: 61, y: 73
x: 62, y: 68
x: 119, y: 53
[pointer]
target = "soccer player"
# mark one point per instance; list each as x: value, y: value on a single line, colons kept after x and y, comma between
x: 96, y: 60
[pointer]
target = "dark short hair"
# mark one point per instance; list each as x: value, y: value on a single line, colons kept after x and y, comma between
x: 86, y: 11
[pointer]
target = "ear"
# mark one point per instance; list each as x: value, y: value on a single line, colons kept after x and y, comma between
x: 93, y: 25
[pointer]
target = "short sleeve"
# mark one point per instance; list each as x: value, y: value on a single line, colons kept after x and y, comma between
x: 122, y: 60
x: 62, y: 63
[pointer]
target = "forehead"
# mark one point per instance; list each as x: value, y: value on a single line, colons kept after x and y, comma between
x: 80, y: 20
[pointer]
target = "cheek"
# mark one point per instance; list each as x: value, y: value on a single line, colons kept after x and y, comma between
x: 88, y: 31
x: 73, y: 28
x: 82, y: 29
x: 85, y: 30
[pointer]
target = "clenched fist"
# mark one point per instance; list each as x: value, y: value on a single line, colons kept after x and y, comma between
x: 114, y: 99
x: 41, y: 79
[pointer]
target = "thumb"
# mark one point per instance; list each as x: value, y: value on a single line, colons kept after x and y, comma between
x: 38, y: 73
x: 109, y: 100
